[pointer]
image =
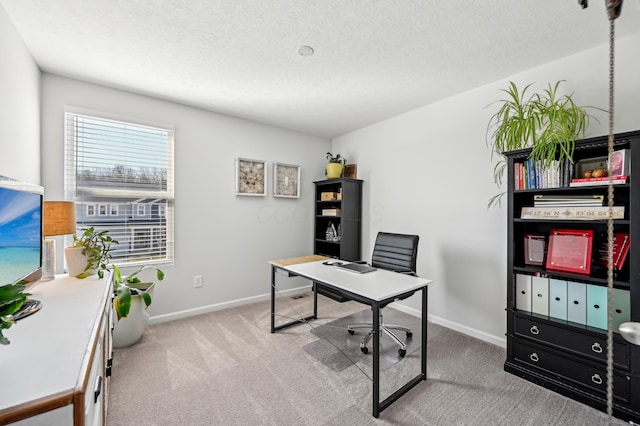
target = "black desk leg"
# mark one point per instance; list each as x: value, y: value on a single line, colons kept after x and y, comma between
x: 425, y: 307
x: 376, y: 359
x: 273, y: 299
x: 275, y: 328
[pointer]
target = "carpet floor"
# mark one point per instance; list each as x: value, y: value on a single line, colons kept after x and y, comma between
x: 226, y: 368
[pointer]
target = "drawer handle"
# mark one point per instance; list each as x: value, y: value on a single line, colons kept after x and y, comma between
x: 534, y: 357
x: 596, y: 348
x: 534, y: 330
x: 596, y: 379
x: 98, y: 389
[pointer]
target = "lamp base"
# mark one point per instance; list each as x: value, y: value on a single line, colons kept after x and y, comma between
x: 48, y: 260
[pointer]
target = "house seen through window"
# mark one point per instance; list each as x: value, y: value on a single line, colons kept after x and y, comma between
x: 120, y: 175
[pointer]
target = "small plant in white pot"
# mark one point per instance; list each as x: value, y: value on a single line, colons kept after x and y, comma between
x: 90, y: 253
x: 132, y: 297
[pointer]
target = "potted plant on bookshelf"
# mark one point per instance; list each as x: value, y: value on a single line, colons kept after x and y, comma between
x: 90, y: 253
x: 547, y: 122
x: 12, y: 297
x: 335, y: 165
x: 132, y: 297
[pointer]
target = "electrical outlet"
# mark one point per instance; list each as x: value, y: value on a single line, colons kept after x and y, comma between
x: 197, y: 281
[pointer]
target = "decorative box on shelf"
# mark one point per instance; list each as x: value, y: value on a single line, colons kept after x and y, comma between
x: 331, y: 212
x: 330, y: 196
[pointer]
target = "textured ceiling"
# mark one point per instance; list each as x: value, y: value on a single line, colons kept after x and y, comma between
x: 373, y: 59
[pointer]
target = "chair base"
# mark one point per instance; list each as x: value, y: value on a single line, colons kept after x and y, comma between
x: 384, y: 328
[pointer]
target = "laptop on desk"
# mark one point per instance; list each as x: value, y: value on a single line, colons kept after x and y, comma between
x: 359, y: 268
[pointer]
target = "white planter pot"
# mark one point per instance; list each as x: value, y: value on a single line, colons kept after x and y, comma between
x: 76, y: 261
x: 130, y: 329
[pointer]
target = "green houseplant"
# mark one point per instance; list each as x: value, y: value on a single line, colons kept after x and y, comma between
x: 12, y: 296
x: 547, y: 122
x: 130, y: 285
x: 93, y: 249
x: 132, y: 296
x: 335, y: 165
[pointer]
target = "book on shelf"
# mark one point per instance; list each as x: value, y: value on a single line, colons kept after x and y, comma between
x: 542, y: 200
x: 531, y: 175
x: 572, y: 213
x: 621, y: 244
x: 615, y: 180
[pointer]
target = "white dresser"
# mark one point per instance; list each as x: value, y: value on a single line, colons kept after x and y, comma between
x: 56, y: 369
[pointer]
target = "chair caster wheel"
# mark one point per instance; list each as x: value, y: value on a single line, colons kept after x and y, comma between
x: 364, y: 350
x: 409, y: 335
x: 402, y: 352
x: 351, y: 332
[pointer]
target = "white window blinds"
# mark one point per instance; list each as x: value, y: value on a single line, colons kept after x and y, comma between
x: 121, y: 177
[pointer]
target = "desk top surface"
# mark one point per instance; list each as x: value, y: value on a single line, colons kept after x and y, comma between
x: 49, y: 348
x: 378, y: 285
x: 296, y: 260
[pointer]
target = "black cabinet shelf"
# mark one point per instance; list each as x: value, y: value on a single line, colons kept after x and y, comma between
x: 349, y: 202
x: 552, y: 348
x: 349, y: 192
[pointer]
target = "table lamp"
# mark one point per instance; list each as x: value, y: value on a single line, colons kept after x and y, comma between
x: 59, y: 219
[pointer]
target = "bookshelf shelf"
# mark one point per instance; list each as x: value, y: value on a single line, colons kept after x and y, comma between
x: 566, y: 309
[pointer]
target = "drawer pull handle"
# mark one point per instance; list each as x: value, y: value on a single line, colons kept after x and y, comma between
x: 98, y: 390
x: 534, y: 330
x: 534, y: 357
x: 596, y: 379
x: 596, y: 348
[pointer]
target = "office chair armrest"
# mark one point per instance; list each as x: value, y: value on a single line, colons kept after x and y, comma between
x: 413, y: 274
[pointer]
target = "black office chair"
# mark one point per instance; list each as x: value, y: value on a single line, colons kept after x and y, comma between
x: 398, y: 253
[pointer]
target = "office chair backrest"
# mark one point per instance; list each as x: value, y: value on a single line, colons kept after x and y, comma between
x: 396, y: 252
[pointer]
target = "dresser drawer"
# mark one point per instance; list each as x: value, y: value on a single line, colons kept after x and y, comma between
x: 561, y: 367
x: 573, y: 341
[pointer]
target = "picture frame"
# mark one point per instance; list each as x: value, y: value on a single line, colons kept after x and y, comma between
x: 251, y: 177
x: 350, y: 171
x: 570, y: 250
x: 534, y: 249
x: 286, y: 180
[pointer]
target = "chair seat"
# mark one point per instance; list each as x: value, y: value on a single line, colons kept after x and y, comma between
x: 397, y: 253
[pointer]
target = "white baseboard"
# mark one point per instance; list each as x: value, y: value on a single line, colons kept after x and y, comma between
x: 481, y: 335
x: 220, y: 306
x: 498, y: 341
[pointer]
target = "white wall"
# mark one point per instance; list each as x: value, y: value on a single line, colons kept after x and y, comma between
x: 223, y: 237
x: 19, y: 106
x: 429, y: 172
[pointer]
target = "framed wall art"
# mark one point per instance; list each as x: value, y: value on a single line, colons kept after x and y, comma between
x: 251, y: 177
x: 286, y: 180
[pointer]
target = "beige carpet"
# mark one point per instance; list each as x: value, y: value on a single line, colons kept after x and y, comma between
x: 226, y: 368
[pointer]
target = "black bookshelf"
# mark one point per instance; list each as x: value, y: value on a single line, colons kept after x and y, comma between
x: 559, y: 353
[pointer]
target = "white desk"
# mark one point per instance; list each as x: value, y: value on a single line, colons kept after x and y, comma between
x: 375, y: 289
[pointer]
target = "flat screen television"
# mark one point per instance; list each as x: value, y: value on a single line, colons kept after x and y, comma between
x: 21, y: 238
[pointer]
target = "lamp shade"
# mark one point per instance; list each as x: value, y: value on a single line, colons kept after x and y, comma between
x: 59, y: 218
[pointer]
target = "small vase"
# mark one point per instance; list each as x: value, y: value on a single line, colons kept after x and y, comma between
x: 334, y: 170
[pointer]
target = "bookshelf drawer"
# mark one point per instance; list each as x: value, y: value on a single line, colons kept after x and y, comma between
x: 573, y: 341
x: 559, y: 366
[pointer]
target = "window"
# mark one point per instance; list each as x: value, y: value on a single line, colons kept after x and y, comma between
x: 120, y: 173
